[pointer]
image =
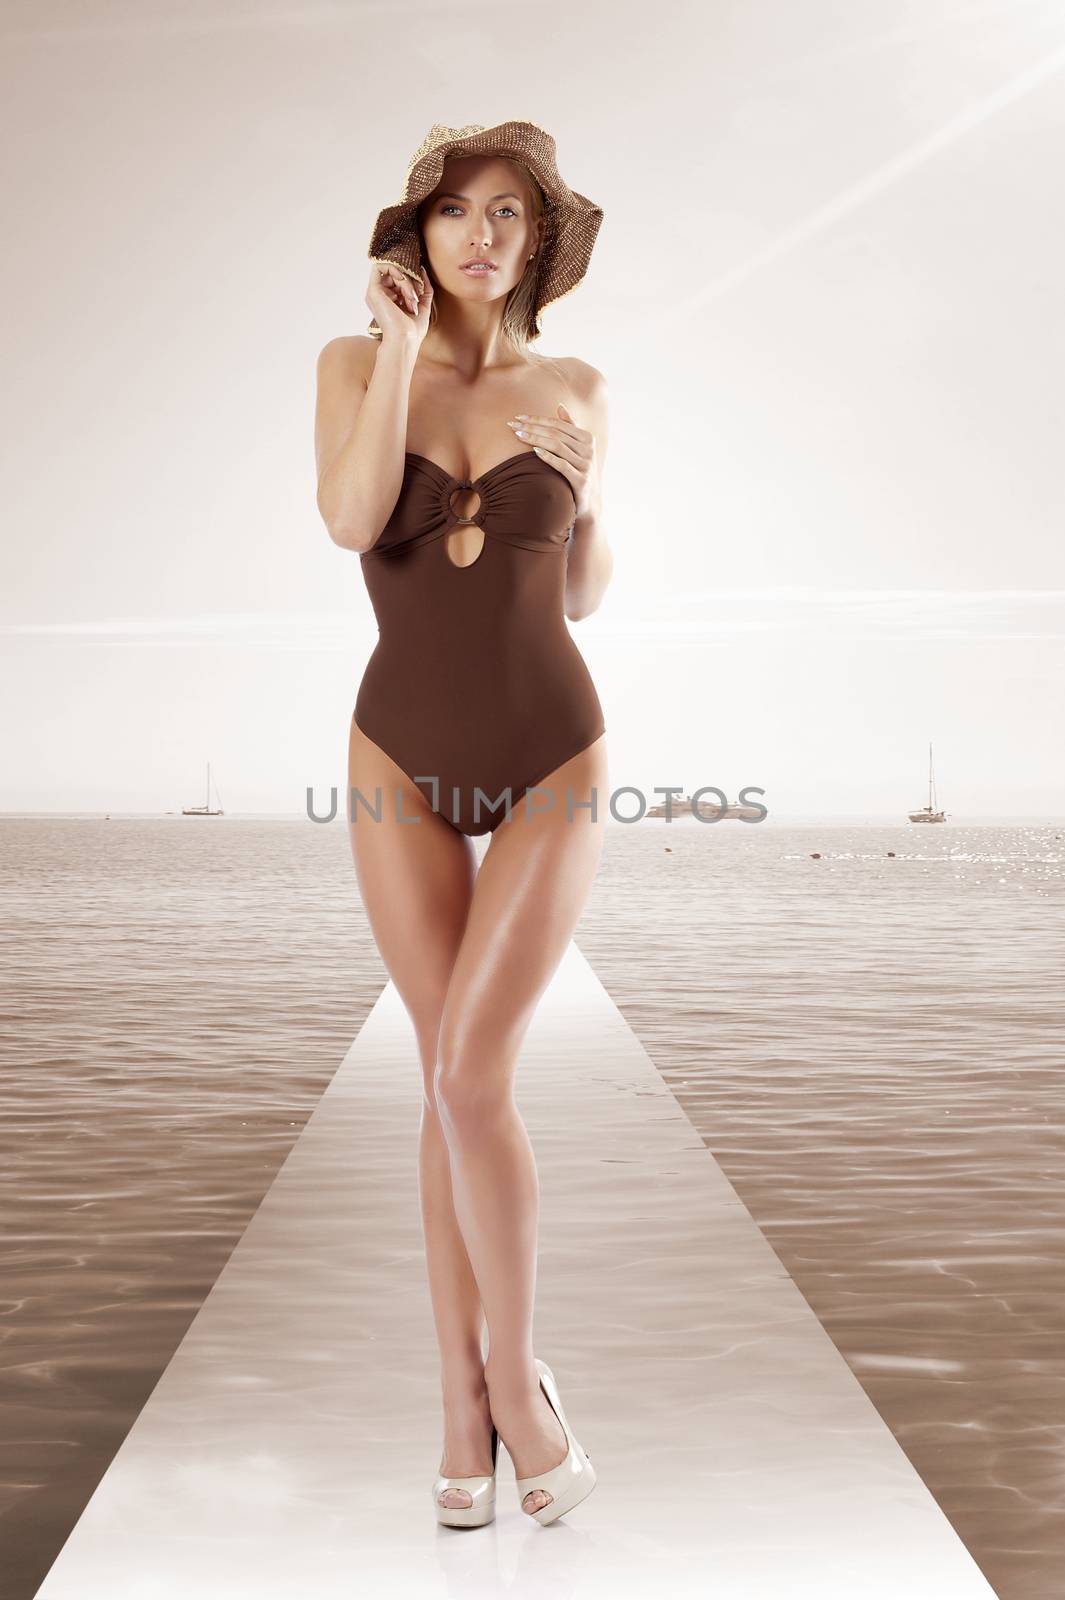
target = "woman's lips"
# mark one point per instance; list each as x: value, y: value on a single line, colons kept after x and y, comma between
x: 478, y: 270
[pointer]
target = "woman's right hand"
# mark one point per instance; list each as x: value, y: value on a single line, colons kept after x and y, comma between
x: 400, y: 305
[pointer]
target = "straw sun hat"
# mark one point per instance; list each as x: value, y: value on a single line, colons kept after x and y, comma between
x: 567, y: 229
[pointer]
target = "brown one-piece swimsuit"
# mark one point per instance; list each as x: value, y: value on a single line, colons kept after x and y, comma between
x: 475, y: 681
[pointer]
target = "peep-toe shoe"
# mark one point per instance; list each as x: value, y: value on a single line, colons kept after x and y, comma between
x: 573, y: 1479
x: 482, y: 1492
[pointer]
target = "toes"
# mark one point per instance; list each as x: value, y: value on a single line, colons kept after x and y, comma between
x: 456, y: 1500
x: 536, y: 1500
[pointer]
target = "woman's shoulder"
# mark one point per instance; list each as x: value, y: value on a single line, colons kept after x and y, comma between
x: 589, y: 393
x: 583, y: 378
x: 350, y: 352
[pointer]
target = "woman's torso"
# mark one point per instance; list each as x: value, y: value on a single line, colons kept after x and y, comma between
x: 468, y: 479
x: 475, y: 676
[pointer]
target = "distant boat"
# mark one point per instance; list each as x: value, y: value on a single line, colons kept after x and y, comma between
x: 205, y: 809
x: 929, y: 813
x: 684, y: 807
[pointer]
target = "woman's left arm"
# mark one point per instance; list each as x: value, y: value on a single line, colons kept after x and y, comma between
x: 579, y: 454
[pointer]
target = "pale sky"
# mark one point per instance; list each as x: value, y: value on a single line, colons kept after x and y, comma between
x: 825, y: 296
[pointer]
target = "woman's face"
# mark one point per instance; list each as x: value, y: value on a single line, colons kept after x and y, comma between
x: 480, y: 209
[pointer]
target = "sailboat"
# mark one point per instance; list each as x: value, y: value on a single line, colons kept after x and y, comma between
x: 205, y: 809
x: 929, y: 813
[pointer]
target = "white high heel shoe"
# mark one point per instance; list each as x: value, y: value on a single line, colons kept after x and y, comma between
x: 573, y: 1479
x: 481, y: 1490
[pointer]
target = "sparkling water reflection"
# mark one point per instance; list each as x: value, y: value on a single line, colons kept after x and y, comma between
x: 870, y: 1045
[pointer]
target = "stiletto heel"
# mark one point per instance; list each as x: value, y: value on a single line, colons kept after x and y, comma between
x: 481, y: 1490
x: 573, y: 1479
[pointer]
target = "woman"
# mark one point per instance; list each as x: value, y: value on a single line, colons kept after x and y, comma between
x: 466, y: 472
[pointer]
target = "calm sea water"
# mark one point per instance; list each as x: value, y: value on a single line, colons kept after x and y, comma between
x: 871, y: 1047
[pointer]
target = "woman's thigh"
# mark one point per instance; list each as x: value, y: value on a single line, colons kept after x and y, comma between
x: 527, y: 899
x: 415, y: 878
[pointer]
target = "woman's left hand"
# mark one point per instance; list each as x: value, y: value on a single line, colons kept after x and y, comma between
x: 569, y: 449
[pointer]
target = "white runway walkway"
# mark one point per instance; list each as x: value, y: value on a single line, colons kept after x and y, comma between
x: 737, y: 1455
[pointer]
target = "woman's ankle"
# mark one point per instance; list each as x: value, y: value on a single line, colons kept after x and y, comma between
x: 512, y: 1384
x: 463, y: 1384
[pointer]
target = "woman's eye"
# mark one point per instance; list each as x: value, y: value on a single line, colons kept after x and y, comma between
x: 445, y: 209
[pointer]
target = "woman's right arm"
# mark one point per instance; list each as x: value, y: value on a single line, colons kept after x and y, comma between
x: 360, y: 429
x: 360, y: 423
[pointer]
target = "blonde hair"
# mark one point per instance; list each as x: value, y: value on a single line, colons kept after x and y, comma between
x: 519, y: 326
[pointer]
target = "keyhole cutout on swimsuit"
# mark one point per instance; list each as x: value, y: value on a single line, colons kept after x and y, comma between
x: 464, y: 541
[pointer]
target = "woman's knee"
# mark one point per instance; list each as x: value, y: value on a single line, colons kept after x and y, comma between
x: 426, y: 1023
x: 471, y: 1081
